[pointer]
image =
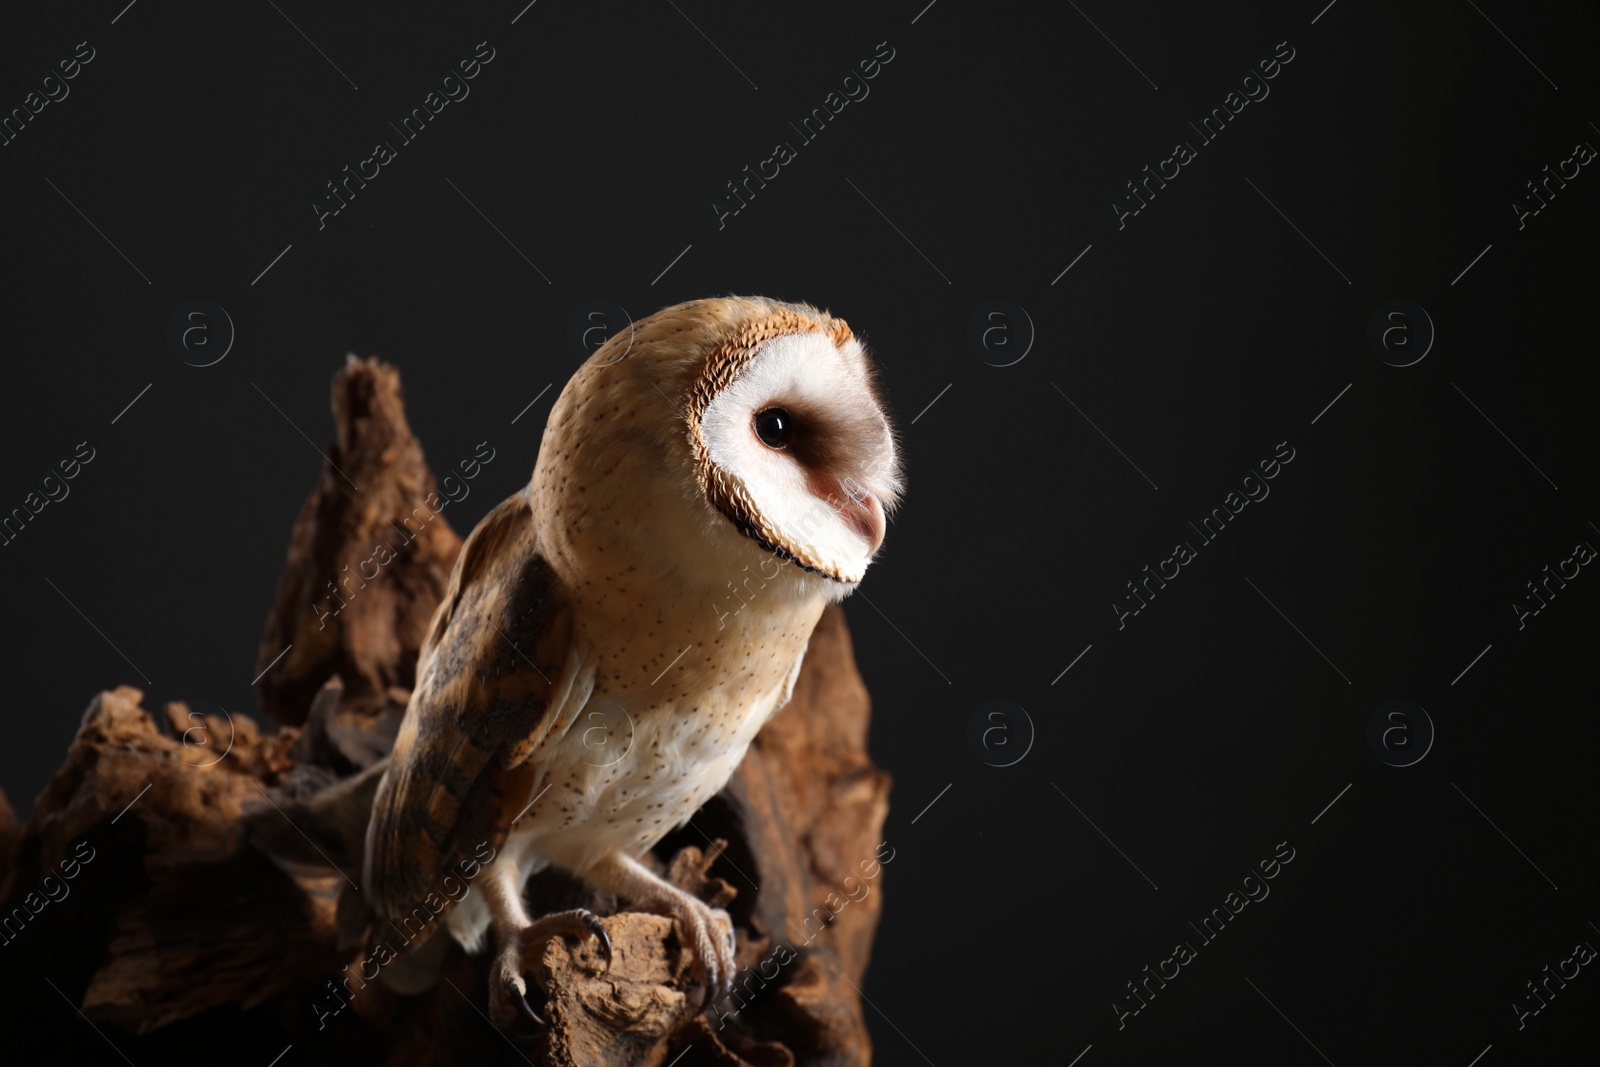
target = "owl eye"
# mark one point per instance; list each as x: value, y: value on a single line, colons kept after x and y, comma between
x: 773, y: 426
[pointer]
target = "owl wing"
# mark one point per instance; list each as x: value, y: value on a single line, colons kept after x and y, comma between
x: 495, y: 678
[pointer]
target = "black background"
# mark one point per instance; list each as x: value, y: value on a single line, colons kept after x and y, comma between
x: 1211, y: 728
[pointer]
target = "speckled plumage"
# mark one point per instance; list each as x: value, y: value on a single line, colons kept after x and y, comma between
x: 618, y: 631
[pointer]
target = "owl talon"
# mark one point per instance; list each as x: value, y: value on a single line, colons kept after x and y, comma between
x: 708, y: 934
x: 508, y: 998
x: 580, y: 923
x: 519, y: 994
x: 598, y: 931
x: 516, y: 958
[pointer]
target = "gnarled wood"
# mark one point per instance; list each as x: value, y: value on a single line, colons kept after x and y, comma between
x: 220, y: 902
x: 371, y: 641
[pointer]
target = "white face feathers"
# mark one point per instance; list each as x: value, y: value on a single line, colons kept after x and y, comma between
x: 802, y: 437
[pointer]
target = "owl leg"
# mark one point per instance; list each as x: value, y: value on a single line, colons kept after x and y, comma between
x: 706, y: 930
x: 521, y: 939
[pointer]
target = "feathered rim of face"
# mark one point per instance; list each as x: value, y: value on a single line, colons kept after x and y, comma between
x: 729, y: 494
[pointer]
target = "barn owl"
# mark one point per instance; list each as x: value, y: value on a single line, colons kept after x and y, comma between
x: 617, y: 632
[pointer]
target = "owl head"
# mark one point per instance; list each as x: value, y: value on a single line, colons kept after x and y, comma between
x: 725, y: 432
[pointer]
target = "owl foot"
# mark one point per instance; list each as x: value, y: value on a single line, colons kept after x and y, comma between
x: 705, y: 931
x: 708, y: 932
x: 508, y: 988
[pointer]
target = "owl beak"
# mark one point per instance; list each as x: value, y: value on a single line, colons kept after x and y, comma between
x: 865, y: 515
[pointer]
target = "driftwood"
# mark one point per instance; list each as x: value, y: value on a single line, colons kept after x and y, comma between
x: 372, y: 643
x: 187, y: 882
